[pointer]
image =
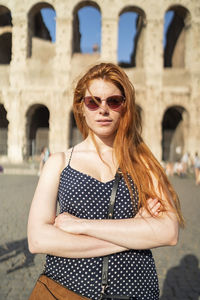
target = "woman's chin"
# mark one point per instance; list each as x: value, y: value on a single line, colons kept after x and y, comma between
x: 105, y: 134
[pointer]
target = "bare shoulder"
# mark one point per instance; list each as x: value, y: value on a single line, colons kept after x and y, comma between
x: 76, y: 149
x: 61, y: 159
x: 56, y: 163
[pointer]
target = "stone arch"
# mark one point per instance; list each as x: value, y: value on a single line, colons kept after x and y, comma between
x: 37, y: 129
x: 37, y: 29
x: 75, y: 136
x: 174, y: 133
x: 5, y: 35
x: 77, y: 36
x: 137, y: 43
x: 3, y: 130
x: 175, y: 36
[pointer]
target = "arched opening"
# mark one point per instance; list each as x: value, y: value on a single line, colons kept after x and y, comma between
x: 174, y: 42
x: 174, y: 127
x: 41, y: 29
x: 75, y: 136
x: 86, y: 28
x: 3, y: 131
x: 37, y: 129
x: 131, y: 37
x: 5, y: 35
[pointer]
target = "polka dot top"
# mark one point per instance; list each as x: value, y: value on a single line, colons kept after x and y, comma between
x: 131, y: 273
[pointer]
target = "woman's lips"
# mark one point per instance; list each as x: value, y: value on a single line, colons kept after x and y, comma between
x: 104, y: 121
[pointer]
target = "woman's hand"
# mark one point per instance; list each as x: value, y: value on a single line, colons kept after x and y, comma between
x: 68, y: 223
x: 153, y: 206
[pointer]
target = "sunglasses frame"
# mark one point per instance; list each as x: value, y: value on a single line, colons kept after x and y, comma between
x: 98, y: 103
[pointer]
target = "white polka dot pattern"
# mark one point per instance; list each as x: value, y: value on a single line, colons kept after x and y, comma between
x: 130, y: 273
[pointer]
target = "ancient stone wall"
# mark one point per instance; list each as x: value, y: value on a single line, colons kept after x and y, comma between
x: 37, y: 77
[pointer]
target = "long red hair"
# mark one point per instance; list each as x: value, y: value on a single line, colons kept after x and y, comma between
x: 133, y: 156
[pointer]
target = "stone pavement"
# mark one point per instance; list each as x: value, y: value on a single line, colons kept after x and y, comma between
x: 178, y: 267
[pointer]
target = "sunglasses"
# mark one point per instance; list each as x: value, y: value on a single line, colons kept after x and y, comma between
x: 114, y: 102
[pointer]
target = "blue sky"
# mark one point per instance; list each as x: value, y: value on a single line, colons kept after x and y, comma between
x: 90, y: 28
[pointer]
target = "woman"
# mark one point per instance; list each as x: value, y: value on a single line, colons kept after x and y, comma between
x: 43, y: 158
x: 147, y: 212
x: 197, y: 168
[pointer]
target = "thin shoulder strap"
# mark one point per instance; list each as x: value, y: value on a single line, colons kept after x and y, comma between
x: 70, y: 156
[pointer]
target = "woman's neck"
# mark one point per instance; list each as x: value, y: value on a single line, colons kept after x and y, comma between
x: 104, y: 144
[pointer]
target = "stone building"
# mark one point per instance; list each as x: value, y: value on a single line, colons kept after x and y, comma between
x: 37, y: 76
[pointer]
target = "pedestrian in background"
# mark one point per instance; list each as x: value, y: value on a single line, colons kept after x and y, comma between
x: 146, y: 214
x: 197, y: 168
x: 45, y: 153
x: 185, y: 163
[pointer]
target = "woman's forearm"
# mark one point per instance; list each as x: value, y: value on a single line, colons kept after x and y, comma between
x: 48, y: 239
x: 146, y: 230
x: 135, y: 233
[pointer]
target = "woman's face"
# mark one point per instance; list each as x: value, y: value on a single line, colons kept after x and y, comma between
x: 103, y: 121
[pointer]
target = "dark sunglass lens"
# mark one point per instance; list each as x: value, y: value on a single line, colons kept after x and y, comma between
x: 115, y: 102
x: 91, y: 103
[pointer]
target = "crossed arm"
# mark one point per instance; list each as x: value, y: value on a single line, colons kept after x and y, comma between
x: 68, y: 236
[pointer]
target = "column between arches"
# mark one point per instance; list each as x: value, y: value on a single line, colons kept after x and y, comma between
x: 152, y: 121
x: 16, y: 129
x: 19, y: 49
x: 59, y: 123
x: 62, y: 60
x: 153, y: 51
x: 109, y: 40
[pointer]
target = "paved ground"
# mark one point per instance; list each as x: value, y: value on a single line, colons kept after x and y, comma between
x: 178, y: 267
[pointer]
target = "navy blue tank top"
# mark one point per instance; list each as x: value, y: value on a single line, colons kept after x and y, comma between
x: 131, y: 273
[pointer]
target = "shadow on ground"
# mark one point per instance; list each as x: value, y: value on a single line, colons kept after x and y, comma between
x: 16, y: 255
x: 182, y: 282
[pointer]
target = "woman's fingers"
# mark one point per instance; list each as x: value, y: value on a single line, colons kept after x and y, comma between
x: 151, y: 202
x: 60, y: 219
x: 68, y: 223
x: 65, y: 216
x: 153, y: 206
x: 155, y: 209
x: 152, y: 209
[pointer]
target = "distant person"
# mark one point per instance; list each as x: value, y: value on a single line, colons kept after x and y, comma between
x: 178, y: 168
x: 1, y: 169
x: 95, y: 48
x: 45, y: 153
x: 169, y: 169
x: 185, y: 163
x: 146, y: 214
x: 197, y: 168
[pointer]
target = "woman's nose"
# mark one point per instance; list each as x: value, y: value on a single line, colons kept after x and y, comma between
x: 103, y: 107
